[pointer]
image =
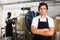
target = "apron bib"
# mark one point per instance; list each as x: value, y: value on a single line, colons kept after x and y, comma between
x: 42, y: 25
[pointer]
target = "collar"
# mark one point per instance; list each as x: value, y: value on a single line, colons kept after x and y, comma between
x: 42, y: 18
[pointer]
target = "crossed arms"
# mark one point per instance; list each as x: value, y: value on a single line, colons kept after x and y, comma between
x: 43, y: 32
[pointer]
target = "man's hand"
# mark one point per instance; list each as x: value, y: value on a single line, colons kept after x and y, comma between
x: 43, y: 32
x: 49, y: 33
x: 38, y: 31
x: 45, y: 29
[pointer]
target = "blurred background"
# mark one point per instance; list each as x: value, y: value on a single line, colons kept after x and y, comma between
x: 22, y: 10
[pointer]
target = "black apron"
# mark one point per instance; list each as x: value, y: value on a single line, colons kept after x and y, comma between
x: 42, y: 25
x: 9, y: 29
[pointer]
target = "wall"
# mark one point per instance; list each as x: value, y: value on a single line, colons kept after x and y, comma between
x: 16, y: 9
x: 1, y: 8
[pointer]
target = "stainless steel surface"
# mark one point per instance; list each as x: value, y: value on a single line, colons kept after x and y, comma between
x: 57, y: 36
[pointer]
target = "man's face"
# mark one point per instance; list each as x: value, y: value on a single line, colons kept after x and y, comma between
x: 43, y: 9
x: 9, y: 15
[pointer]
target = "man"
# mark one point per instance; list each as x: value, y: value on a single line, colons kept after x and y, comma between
x: 42, y: 26
x: 9, y: 29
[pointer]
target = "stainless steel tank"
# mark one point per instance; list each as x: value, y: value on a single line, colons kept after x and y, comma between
x: 57, y: 36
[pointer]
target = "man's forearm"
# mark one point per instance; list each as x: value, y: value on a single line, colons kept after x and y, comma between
x: 48, y: 33
x: 40, y: 31
x: 44, y: 32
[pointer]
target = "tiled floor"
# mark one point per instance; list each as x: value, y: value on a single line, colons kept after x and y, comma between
x: 2, y: 38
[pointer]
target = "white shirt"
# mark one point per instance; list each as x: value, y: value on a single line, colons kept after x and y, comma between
x: 7, y: 19
x: 36, y: 19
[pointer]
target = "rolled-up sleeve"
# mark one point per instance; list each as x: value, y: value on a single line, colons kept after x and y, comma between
x: 51, y: 23
x: 35, y: 22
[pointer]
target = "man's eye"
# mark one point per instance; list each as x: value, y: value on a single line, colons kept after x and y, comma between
x: 44, y: 8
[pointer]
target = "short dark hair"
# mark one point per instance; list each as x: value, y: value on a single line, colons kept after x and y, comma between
x: 9, y: 13
x: 41, y: 4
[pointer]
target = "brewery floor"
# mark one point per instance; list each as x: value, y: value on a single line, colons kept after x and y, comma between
x: 29, y: 37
